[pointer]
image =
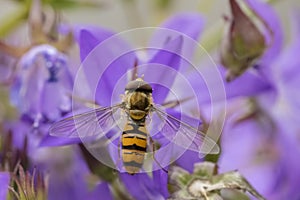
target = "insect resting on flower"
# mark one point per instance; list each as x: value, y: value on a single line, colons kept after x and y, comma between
x: 137, y: 106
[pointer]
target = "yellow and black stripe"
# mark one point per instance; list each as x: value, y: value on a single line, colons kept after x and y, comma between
x: 134, y: 146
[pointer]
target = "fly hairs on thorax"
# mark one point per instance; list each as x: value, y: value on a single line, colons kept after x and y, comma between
x: 139, y: 105
x: 138, y: 99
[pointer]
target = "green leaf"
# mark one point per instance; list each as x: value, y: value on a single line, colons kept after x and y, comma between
x: 69, y: 4
x: 13, y: 20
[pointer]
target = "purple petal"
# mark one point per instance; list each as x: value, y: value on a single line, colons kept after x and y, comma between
x: 240, y: 146
x: 51, y: 141
x: 110, y: 87
x: 105, y: 65
x: 188, y: 25
x: 100, y: 191
x: 249, y: 84
x: 161, y: 178
x: 55, y: 100
x: 69, y: 188
x: 27, y: 89
x: 287, y: 83
x: 67, y: 178
x: 188, y: 159
x: 19, y: 130
x: 4, y: 183
x: 275, y: 41
x: 287, y: 184
x: 209, y: 86
x: 265, y: 155
x: 161, y: 70
x: 287, y: 65
x: 147, y: 188
x: 237, y: 144
x: 88, y: 41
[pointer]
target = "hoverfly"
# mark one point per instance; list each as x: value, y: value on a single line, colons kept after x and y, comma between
x: 138, y: 105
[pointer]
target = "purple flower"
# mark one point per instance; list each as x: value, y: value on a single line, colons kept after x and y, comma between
x: 263, y: 144
x: 109, y: 63
x: 40, y: 89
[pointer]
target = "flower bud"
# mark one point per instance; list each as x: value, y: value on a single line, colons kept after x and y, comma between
x: 244, y: 40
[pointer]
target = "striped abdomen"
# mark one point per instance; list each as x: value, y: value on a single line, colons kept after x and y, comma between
x: 134, y: 146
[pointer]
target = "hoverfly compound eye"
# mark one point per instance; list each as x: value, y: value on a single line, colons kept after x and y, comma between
x: 138, y: 85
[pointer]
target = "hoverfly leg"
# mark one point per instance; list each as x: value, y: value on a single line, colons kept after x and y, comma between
x: 175, y: 103
x: 119, y: 153
x: 149, y: 118
x: 153, y: 154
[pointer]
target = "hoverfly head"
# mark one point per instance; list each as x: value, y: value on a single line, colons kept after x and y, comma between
x: 138, y: 85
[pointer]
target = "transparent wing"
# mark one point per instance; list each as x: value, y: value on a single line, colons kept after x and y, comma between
x: 185, y: 135
x: 91, y: 124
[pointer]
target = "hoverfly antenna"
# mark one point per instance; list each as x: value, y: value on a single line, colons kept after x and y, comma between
x: 135, y: 70
x: 140, y: 78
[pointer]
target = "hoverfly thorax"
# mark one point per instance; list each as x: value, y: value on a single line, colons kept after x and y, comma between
x: 138, y: 99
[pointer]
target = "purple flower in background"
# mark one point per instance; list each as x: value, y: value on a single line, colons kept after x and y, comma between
x: 43, y: 84
x: 264, y: 145
x: 41, y: 92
